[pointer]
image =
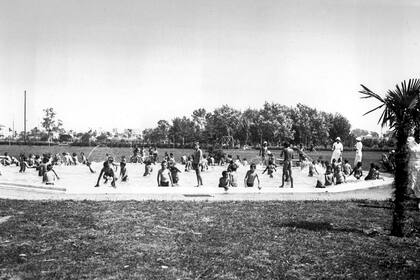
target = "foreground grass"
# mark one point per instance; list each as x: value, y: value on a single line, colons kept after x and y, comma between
x: 203, y: 240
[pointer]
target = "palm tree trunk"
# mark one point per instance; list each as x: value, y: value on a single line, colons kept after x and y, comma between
x: 400, y: 183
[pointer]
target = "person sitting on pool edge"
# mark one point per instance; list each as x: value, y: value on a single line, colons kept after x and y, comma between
x: 373, y: 172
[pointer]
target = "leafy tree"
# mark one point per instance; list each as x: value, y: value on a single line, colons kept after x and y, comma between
x: 50, y: 123
x: 223, y: 121
x: 320, y: 134
x: 199, y: 118
x: 162, y: 130
x: 182, y: 130
x: 357, y: 132
x: 85, y: 138
x: 400, y: 113
x: 103, y: 137
x: 302, y: 123
x: 65, y: 138
x: 275, y: 123
x: 340, y: 127
x: 246, y: 122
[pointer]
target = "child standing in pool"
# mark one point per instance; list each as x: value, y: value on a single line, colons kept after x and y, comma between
x: 232, y: 174
x: 22, y: 163
x: 250, y: 176
x: 83, y: 157
x: 271, y: 167
x: 74, y: 159
x: 50, y: 176
x: 123, y: 172
x: 148, y: 168
x: 174, y: 173
x: 164, y: 177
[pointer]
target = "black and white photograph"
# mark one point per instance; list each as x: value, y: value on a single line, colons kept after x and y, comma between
x: 209, y: 139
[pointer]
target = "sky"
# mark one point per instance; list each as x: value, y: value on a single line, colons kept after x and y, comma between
x: 129, y: 63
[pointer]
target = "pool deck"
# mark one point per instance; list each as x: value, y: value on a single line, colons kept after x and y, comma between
x: 381, y: 192
x: 76, y: 183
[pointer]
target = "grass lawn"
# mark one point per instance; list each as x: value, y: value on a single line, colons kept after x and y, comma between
x: 204, y: 240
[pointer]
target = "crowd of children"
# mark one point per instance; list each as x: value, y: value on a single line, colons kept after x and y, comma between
x: 327, y: 173
x: 337, y: 172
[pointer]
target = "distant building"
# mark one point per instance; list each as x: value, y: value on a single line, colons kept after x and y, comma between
x: 5, y: 132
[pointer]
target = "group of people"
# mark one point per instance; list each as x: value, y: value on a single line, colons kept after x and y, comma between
x: 42, y: 164
x: 333, y: 172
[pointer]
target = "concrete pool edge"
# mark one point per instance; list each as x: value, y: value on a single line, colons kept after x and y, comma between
x: 379, y: 192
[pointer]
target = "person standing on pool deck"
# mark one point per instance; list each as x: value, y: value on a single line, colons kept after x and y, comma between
x: 337, y: 149
x: 264, y: 152
x: 198, y: 157
x: 358, y: 148
x: 287, y: 152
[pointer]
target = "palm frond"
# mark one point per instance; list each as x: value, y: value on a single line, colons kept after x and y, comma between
x: 370, y: 94
x: 374, y: 109
x: 400, y: 104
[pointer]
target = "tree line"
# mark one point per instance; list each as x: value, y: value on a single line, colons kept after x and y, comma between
x: 274, y: 123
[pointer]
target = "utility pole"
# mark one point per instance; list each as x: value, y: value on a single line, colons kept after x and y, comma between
x: 24, y: 117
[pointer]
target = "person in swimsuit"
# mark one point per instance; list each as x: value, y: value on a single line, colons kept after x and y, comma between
x: 357, y: 171
x: 263, y: 151
x: 373, y: 173
x: 123, y: 171
x: 312, y: 169
x: 250, y: 176
x: 148, y: 169
x: 50, y: 176
x: 198, y: 157
x: 224, y: 181
x: 174, y: 173
x: 287, y: 153
x: 329, y: 176
x: 108, y: 173
x: 347, y: 167
x: 271, y: 168
x: 164, y: 177
x: 83, y: 158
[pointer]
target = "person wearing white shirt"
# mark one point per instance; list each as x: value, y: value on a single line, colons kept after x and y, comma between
x: 337, y: 149
x: 358, y: 148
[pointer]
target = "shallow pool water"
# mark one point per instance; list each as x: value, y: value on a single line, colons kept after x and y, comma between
x: 78, y: 179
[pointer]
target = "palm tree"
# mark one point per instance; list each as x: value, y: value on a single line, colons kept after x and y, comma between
x: 400, y: 113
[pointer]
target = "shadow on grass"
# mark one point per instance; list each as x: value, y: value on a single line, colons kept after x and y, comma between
x: 375, y: 206
x: 318, y: 226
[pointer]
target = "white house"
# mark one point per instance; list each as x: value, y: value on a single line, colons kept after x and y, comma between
x: 5, y: 132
